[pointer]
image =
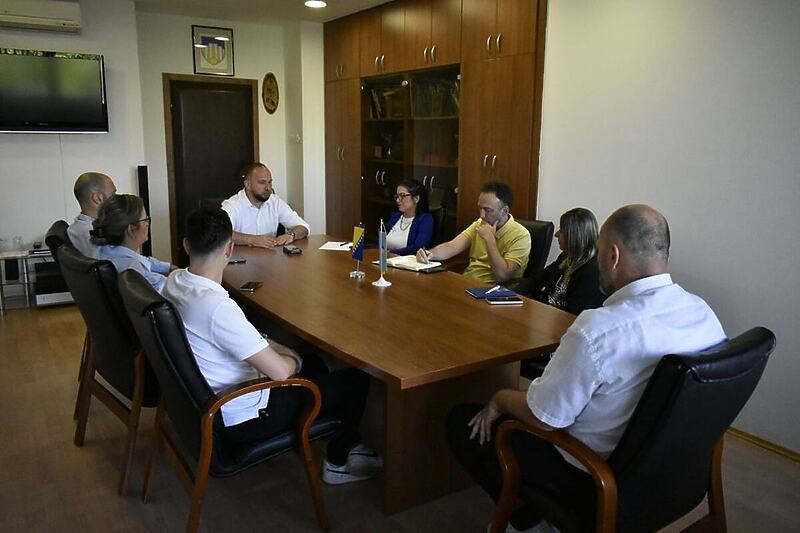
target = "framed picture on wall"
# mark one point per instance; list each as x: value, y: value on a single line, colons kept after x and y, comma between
x: 213, y: 50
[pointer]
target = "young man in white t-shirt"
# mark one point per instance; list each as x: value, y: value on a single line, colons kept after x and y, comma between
x: 228, y: 350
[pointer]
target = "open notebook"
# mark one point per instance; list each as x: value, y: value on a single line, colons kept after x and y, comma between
x: 409, y: 262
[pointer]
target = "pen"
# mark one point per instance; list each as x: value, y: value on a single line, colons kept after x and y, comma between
x: 344, y: 244
x: 496, y: 287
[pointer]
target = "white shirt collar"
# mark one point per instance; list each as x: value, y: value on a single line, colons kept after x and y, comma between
x: 84, y: 217
x: 634, y: 288
x: 203, y: 281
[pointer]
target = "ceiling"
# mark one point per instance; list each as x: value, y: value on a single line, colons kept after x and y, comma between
x: 256, y: 10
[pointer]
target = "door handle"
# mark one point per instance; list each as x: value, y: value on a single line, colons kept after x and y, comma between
x: 499, y: 39
x: 489, y: 44
x: 494, y: 160
x: 425, y: 54
x: 485, y: 159
x: 383, y: 67
x: 433, y: 54
x: 376, y: 62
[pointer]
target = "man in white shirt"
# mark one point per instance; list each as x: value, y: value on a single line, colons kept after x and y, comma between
x: 91, y: 189
x: 256, y: 211
x: 229, y: 350
x: 595, y: 378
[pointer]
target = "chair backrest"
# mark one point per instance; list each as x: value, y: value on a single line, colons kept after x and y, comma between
x: 56, y: 237
x: 438, y: 214
x: 663, y: 461
x: 93, y: 285
x: 541, y: 239
x: 160, y: 328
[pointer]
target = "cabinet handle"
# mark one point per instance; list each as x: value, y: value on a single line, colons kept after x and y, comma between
x: 424, y: 181
x: 433, y: 179
x: 499, y: 39
x: 338, y: 153
x: 383, y: 178
x: 489, y: 44
x: 342, y: 153
x: 376, y: 62
x: 494, y: 160
x: 433, y: 54
x: 425, y: 54
x: 485, y: 159
x: 455, y: 190
x: 383, y: 68
x: 377, y: 182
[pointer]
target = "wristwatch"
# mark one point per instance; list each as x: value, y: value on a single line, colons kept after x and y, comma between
x: 290, y: 232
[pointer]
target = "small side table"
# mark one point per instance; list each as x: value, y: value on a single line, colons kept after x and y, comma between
x: 22, y: 257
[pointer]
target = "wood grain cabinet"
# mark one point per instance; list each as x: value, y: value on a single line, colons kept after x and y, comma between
x: 496, y: 28
x: 432, y: 33
x: 342, y: 156
x: 341, y: 49
x: 381, y: 40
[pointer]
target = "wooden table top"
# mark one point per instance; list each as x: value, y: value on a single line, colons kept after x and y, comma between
x: 422, y: 329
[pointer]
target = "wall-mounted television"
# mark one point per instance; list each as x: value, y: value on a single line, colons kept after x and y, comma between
x: 52, y: 92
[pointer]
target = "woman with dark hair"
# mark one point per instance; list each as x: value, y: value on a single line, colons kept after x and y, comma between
x: 571, y: 282
x: 411, y: 226
x: 120, y: 229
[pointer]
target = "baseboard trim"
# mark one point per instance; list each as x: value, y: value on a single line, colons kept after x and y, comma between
x: 767, y: 445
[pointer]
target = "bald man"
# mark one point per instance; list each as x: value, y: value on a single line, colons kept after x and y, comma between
x: 595, y: 378
x: 256, y: 211
x: 91, y: 189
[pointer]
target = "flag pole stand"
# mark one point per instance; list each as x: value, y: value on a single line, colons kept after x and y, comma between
x: 357, y: 273
x: 381, y: 282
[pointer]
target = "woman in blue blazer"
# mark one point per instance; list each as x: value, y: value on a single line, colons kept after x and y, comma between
x: 411, y: 226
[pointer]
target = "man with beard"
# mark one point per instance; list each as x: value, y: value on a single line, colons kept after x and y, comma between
x: 256, y: 211
x: 595, y: 378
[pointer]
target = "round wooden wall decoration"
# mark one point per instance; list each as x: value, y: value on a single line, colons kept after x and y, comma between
x: 269, y: 93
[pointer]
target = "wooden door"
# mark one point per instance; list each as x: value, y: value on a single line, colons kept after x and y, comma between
x: 369, y: 42
x: 393, y: 53
x: 445, y: 32
x: 332, y: 34
x: 478, y: 22
x: 202, y: 165
x: 418, y: 33
x: 516, y: 27
x: 348, y: 51
x: 350, y: 121
x: 513, y: 122
x: 333, y: 167
x: 476, y: 135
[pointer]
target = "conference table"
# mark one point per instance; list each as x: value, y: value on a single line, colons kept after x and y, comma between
x: 427, y: 344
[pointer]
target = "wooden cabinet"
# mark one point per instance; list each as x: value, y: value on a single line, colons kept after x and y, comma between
x: 381, y: 40
x: 497, y: 28
x: 433, y: 33
x: 342, y: 156
x: 341, y: 39
x: 496, y: 130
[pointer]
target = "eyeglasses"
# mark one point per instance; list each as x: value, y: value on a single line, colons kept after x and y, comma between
x: 145, y: 219
x: 402, y: 196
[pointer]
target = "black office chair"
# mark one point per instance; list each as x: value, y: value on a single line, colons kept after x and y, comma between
x: 438, y: 214
x: 193, y: 408
x: 670, y: 455
x: 541, y: 239
x: 113, y: 350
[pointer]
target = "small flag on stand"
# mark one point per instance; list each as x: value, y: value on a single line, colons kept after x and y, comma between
x: 358, y: 250
x: 382, y: 247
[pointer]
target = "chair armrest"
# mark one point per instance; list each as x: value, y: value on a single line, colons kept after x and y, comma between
x: 604, y: 480
x: 216, y: 402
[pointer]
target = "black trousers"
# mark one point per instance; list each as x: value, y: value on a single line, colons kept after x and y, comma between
x: 540, y: 463
x: 344, y: 395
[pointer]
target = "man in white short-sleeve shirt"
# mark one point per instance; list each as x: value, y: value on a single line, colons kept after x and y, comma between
x: 91, y: 189
x: 229, y: 350
x: 595, y: 378
x: 256, y: 211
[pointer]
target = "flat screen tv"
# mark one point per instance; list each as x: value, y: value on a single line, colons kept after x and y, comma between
x: 52, y: 92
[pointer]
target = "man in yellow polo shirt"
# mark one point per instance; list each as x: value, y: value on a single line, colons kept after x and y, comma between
x: 498, y: 245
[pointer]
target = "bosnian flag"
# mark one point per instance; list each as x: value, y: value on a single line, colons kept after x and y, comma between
x: 358, y: 242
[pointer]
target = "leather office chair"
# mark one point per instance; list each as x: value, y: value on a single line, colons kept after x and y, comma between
x: 193, y: 408
x: 670, y: 455
x: 541, y: 239
x: 438, y: 214
x: 55, y: 238
x: 114, y: 351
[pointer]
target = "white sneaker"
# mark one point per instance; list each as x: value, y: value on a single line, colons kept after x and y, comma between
x: 361, y: 457
x: 337, y: 475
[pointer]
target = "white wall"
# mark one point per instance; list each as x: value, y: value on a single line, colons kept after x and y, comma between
x: 38, y: 171
x: 694, y: 108
x: 311, y: 58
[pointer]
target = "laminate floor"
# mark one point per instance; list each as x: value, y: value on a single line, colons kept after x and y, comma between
x: 48, y: 484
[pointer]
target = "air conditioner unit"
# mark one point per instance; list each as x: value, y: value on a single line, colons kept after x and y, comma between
x: 53, y: 15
